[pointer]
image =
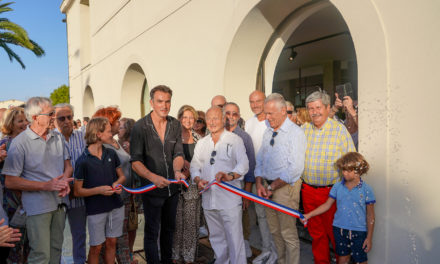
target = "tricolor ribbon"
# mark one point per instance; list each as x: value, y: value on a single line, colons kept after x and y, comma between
x: 255, y: 198
x: 149, y: 187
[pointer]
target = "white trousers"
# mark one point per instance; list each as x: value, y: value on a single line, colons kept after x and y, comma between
x: 226, y: 235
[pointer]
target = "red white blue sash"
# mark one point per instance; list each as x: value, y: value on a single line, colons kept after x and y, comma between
x: 149, y: 187
x: 255, y: 198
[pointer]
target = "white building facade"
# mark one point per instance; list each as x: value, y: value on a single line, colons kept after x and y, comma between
x: 200, y: 48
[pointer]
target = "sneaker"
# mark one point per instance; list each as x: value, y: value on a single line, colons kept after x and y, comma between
x: 248, y: 249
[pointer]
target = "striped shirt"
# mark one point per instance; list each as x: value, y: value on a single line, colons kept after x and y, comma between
x: 324, y: 147
x: 75, y: 147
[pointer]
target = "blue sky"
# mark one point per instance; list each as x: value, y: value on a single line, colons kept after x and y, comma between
x: 43, y: 22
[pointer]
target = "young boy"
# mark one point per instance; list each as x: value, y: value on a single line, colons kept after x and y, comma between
x: 353, y: 224
x: 97, y: 173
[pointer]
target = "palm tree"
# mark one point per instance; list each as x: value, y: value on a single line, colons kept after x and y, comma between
x: 11, y: 33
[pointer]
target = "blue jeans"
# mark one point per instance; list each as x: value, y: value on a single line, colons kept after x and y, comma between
x: 159, y: 213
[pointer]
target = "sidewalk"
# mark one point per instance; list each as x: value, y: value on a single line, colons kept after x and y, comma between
x: 205, y: 253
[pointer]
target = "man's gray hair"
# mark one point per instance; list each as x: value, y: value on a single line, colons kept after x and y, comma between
x: 34, y: 106
x: 62, y: 105
x: 278, y: 99
x: 319, y: 95
x: 230, y: 103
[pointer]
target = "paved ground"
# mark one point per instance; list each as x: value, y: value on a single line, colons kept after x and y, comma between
x: 205, y: 253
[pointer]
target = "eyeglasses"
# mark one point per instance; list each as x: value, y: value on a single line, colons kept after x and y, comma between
x: 48, y: 114
x: 63, y: 118
x: 212, y: 160
x: 289, y: 112
x: 234, y: 114
x: 200, y: 121
x: 272, y: 141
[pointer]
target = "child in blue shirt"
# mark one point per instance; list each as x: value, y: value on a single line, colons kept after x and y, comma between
x: 353, y: 223
x: 97, y: 174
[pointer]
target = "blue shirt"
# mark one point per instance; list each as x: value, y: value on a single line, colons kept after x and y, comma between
x: 96, y: 172
x: 75, y: 147
x: 285, y: 158
x: 351, y: 212
x: 247, y: 140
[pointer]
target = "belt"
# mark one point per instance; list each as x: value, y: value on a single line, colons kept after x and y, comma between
x: 318, y: 187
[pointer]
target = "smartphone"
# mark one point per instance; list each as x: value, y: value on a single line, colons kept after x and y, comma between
x: 344, y: 90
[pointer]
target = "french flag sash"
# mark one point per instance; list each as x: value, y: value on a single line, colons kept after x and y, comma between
x: 255, y: 198
x: 149, y: 187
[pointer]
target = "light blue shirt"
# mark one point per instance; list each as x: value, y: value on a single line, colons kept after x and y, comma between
x: 75, y: 147
x: 351, y: 212
x: 285, y: 159
x: 35, y: 159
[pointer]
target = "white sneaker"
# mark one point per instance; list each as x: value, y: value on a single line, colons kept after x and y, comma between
x: 262, y: 258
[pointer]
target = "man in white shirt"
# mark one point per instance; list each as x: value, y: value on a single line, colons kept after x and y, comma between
x: 221, y: 156
x: 255, y: 127
x: 280, y: 162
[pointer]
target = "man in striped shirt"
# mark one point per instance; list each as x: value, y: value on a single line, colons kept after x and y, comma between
x: 76, y: 211
x: 327, y: 140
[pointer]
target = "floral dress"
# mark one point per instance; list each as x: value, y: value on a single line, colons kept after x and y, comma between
x: 188, y: 215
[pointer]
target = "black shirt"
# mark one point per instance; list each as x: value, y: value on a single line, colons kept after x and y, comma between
x: 98, y: 172
x: 158, y: 157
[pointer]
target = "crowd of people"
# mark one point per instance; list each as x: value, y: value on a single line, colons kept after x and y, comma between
x: 53, y: 167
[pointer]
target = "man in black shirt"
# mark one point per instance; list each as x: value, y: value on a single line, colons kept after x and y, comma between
x: 157, y: 156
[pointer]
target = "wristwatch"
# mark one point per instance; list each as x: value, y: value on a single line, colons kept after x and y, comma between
x: 269, y: 188
x: 232, y: 174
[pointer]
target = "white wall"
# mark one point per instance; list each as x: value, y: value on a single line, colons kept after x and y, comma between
x: 203, y: 48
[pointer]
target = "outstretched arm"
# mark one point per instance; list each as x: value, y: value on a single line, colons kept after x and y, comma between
x: 320, y: 210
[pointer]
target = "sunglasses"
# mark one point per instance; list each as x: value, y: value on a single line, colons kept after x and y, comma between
x: 200, y: 121
x: 48, y: 114
x: 63, y: 118
x: 289, y: 112
x: 272, y: 141
x: 212, y: 160
x: 234, y: 114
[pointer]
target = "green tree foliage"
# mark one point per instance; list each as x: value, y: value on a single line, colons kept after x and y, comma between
x: 11, y: 33
x: 60, y: 95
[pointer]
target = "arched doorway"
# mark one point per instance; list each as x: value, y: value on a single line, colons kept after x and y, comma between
x: 258, y: 44
x: 134, y: 93
x: 88, y: 102
x: 320, y: 52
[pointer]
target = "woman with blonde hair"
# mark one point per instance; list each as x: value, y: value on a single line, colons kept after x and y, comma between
x: 302, y: 116
x: 14, y: 123
x: 188, y: 208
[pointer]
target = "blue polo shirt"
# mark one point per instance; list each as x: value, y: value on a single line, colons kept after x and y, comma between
x: 351, y: 212
x: 96, y: 172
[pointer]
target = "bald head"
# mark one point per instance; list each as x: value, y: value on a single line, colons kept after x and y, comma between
x: 218, y: 100
x: 214, y: 119
x: 256, y: 100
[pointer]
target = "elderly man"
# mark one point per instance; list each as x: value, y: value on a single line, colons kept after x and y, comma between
x: 222, y: 156
x: 280, y: 162
x: 255, y: 127
x: 157, y: 156
x: 76, y: 210
x: 327, y: 141
x: 38, y: 164
x: 218, y: 100
x: 232, y: 113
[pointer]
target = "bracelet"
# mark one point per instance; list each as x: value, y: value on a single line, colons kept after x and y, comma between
x: 232, y: 174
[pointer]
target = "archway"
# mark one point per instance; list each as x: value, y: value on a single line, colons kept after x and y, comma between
x: 134, y: 93
x: 88, y: 102
x: 258, y: 44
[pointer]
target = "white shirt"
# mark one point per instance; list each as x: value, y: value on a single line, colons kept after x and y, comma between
x: 230, y: 157
x: 255, y: 129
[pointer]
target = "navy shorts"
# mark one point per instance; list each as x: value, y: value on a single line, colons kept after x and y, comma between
x: 350, y: 243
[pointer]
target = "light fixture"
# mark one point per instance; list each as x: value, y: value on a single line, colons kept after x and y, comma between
x: 292, y: 55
